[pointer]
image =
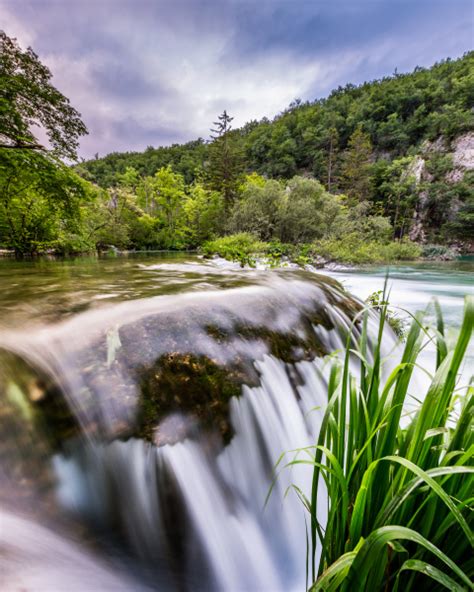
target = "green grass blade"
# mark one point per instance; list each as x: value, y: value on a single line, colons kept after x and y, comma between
x: 432, y: 572
x: 360, y: 576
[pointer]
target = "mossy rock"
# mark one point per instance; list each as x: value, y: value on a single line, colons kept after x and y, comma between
x: 189, y: 384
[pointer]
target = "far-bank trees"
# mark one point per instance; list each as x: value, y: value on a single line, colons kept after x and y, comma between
x: 225, y: 159
x: 258, y: 208
x: 355, y: 180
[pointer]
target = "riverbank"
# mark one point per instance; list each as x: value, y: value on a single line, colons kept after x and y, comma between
x: 247, y: 251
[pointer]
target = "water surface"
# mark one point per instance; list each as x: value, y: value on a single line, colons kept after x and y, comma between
x: 146, y: 399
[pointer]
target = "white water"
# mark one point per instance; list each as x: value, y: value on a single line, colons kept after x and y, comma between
x: 192, y: 512
x: 36, y: 559
x: 246, y: 547
x: 413, y: 289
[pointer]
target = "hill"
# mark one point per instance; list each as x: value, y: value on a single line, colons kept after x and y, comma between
x: 399, y: 113
x: 410, y: 137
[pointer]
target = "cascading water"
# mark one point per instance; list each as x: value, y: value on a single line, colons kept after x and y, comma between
x: 150, y: 430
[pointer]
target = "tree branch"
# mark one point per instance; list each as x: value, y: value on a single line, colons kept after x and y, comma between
x: 23, y: 146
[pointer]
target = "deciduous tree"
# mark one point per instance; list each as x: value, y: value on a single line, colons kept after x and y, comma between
x: 28, y: 100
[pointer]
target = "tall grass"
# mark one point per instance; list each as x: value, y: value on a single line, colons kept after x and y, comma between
x: 400, y: 492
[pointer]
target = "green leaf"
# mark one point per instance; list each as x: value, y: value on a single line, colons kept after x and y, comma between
x: 432, y: 572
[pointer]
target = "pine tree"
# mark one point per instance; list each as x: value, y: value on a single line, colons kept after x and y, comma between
x: 224, y: 159
x: 355, y: 169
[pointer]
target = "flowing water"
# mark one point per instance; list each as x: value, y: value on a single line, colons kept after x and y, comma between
x: 144, y: 403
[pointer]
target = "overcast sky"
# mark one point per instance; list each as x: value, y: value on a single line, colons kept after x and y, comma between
x: 153, y: 72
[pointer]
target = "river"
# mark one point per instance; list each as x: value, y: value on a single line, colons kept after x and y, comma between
x: 39, y: 290
x: 144, y: 402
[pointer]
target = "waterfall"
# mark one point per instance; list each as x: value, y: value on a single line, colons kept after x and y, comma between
x: 160, y: 422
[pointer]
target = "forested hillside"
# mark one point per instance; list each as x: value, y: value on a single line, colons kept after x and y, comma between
x: 353, y: 177
x: 397, y: 113
x: 390, y: 142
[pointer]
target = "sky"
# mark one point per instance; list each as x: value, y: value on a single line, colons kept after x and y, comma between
x: 153, y: 72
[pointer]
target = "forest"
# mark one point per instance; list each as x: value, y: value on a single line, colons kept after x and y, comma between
x: 367, y: 173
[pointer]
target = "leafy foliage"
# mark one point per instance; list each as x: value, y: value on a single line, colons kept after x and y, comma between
x: 354, y: 249
x: 360, y: 143
x: 39, y: 201
x: 242, y: 247
x: 28, y: 99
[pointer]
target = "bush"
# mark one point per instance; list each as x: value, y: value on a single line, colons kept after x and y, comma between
x: 404, y: 250
x: 438, y: 252
x: 242, y: 247
x: 355, y: 250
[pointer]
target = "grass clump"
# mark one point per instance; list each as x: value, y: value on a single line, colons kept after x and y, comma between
x: 400, y: 493
x: 376, y: 300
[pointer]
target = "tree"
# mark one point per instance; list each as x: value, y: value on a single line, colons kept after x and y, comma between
x: 167, y: 206
x: 225, y: 164
x: 259, y: 207
x: 28, y: 100
x: 306, y: 211
x: 355, y: 169
x: 39, y: 200
x: 462, y: 226
x: 332, y: 144
x: 396, y: 193
x: 203, y: 209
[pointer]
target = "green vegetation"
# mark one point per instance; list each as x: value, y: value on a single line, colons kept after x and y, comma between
x: 28, y: 99
x: 378, y: 302
x: 306, y: 223
x: 399, y: 483
x: 335, y: 178
x: 360, y: 141
x: 243, y: 247
x: 224, y: 166
x: 354, y: 249
x: 40, y: 197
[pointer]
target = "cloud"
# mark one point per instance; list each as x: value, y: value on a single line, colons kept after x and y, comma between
x: 149, y: 72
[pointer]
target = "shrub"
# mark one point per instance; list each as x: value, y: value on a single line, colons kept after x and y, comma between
x: 439, y: 252
x: 355, y: 250
x: 403, y: 250
x: 242, y: 247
